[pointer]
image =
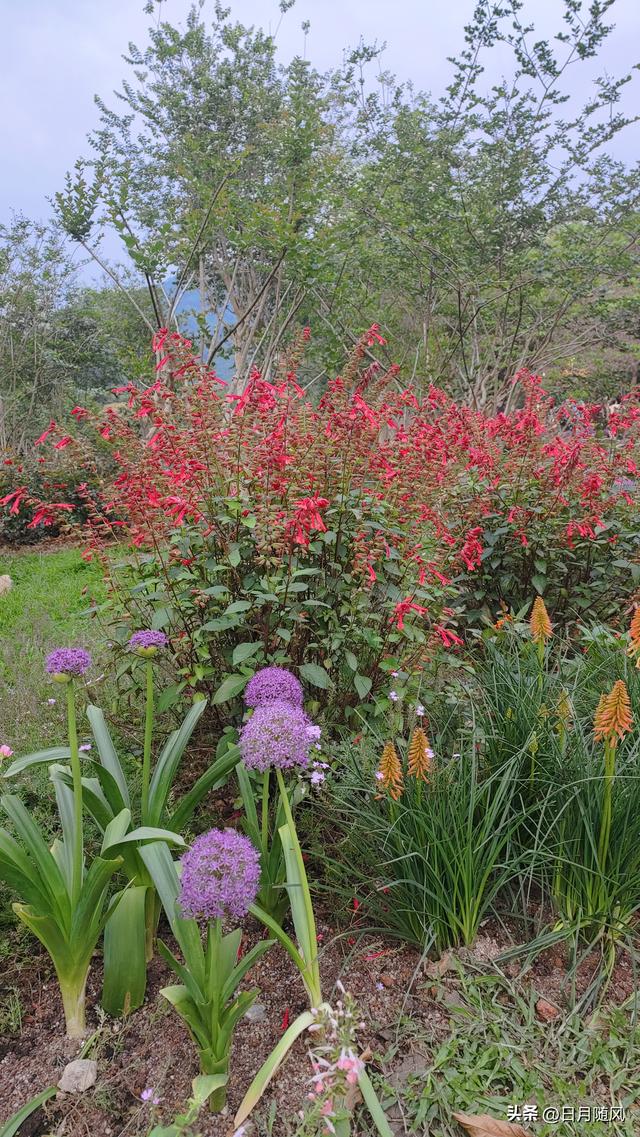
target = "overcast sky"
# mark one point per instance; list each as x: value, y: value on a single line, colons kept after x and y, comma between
x: 59, y: 53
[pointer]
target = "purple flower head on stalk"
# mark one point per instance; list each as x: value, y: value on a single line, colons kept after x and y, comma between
x: 66, y: 663
x: 277, y: 734
x: 147, y: 643
x: 220, y: 876
x: 273, y: 684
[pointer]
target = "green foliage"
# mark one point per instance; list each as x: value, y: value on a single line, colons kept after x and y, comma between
x: 13, y: 1125
x: 428, y: 867
x: 207, y: 999
x: 496, y: 1053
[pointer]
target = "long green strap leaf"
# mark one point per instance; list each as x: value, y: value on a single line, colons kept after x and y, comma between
x: 37, y: 850
x: 373, y: 1105
x: 163, y: 873
x: 125, y: 966
x: 107, y: 751
x: 216, y: 776
x: 40, y: 758
x: 168, y: 762
x: 269, y: 1068
x: 12, y: 1126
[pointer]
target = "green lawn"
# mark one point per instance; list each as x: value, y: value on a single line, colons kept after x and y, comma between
x: 47, y: 607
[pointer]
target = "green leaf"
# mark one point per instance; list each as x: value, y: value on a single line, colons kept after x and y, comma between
x: 236, y: 607
x: 169, y: 696
x: 234, y: 555
x: 217, y: 775
x: 107, y: 750
x: 373, y: 1105
x: 169, y: 760
x: 12, y: 1126
x: 269, y: 1068
x: 53, y: 754
x: 229, y: 688
x: 539, y: 582
x: 125, y: 966
x: 352, y: 662
x: 245, y: 651
x: 362, y: 684
x: 205, y: 1085
x: 315, y: 675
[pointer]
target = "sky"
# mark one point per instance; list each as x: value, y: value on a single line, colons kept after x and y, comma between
x: 59, y: 53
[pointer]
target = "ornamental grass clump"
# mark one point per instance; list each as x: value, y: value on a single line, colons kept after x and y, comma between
x: 218, y: 884
x: 66, y: 899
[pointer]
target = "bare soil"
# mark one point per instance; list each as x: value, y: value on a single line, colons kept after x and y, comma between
x: 152, y: 1048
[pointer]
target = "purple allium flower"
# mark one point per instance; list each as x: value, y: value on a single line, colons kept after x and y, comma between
x: 67, y: 662
x: 273, y: 684
x: 313, y: 732
x: 147, y: 642
x: 220, y: 875
x: 275, y: 735
x: 317, y: 778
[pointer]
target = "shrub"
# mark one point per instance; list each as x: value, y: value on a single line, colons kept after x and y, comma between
x: 269, y: 530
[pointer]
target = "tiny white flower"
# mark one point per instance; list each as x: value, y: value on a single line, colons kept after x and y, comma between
x: 420, y: 710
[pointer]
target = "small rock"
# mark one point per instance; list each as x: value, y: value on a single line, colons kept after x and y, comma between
x: 387, y: 979
x: 257, y: 1013
x: 78, y: 1076
x: 6, y: 584
x: 546, y: 1011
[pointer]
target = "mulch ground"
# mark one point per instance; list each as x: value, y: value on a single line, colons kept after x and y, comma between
x: 152, y: 1048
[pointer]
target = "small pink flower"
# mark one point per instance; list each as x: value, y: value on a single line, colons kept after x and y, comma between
x: 5, y: 751
x: 85, y: 746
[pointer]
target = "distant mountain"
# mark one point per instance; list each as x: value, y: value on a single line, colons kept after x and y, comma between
x: 186, y: 309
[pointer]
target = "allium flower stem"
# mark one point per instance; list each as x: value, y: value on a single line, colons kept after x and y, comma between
x: 265, y: 810
x: 76, y: 771
x: 148, y: 736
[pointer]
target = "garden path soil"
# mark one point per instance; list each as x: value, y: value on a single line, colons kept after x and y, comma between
x: 153, y: 1049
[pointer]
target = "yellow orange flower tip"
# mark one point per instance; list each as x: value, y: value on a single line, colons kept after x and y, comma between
x: 420, y: 755
x: 634, y: 633
x: 613, y: 718
x: 389, y: 774
x: 539, y: 622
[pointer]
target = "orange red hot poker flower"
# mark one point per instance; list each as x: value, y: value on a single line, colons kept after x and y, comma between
x: 613, y: 718
x: 389, y: 773
x: 634, y: 636
x: 539, y: 621
x: 420, y: 755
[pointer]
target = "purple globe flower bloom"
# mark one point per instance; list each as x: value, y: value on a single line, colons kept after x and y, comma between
x: 147, y: 643
x: 66, y: 663
x: 220, y: 876
x: 277, y: 734
x: 273, y: 684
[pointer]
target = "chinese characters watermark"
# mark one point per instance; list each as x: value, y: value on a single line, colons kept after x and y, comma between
x: 555, y: 1114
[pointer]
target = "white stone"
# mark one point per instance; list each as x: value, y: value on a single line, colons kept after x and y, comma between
x: 78, y: 1076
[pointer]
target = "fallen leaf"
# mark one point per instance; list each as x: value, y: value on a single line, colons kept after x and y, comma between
x: 546, y: 1011
x: 481, y: 1125
x: 439, y: 967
